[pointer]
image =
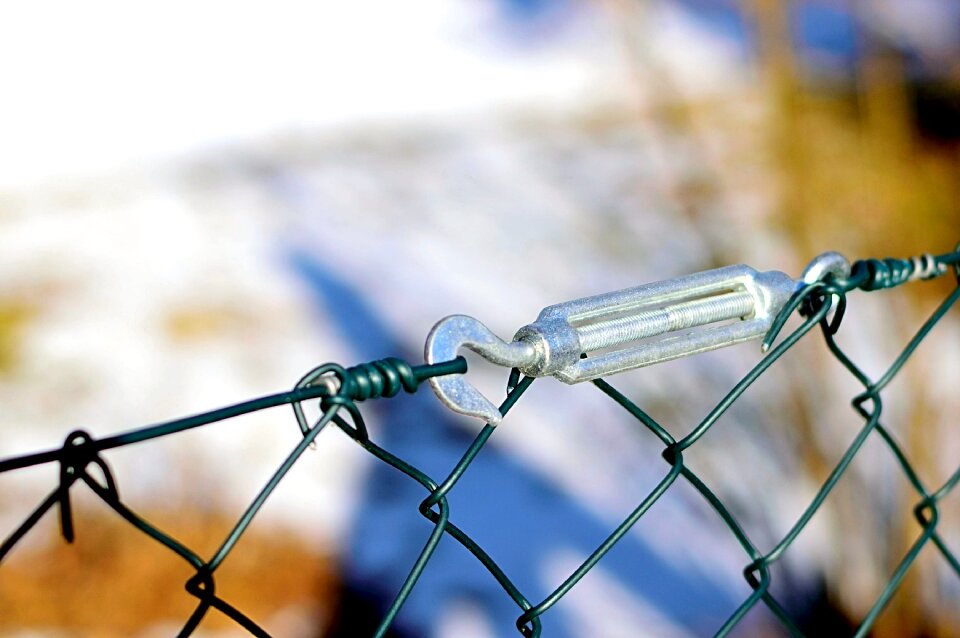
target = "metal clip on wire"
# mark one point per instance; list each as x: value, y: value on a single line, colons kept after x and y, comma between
x: 605, y: 334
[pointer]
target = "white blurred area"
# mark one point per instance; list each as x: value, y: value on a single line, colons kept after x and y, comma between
x: 158, y: 164
x: 144, y: 252
x: 98, y: 86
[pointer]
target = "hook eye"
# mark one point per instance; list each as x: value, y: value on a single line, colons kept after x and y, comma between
x: 444, y: 343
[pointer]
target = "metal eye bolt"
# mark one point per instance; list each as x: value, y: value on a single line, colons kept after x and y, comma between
x: 598, y: 336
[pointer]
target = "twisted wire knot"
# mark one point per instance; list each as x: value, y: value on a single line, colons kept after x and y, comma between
x: 879, y: 274
x: 381, y: 378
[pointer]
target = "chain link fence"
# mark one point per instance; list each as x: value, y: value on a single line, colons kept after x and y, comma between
x: 821, y: 304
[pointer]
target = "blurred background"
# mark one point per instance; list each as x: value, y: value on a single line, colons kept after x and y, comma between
x: 201, y: 201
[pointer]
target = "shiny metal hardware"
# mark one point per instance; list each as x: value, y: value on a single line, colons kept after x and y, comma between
x: 606, y: 334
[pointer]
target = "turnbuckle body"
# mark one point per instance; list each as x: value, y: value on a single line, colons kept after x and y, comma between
x: 605, y: 334
x: 640, y: 326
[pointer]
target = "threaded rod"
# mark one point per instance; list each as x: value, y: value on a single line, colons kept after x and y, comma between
x: 649, y: 323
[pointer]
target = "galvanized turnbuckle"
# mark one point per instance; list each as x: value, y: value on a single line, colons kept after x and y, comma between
x: 598, y: 336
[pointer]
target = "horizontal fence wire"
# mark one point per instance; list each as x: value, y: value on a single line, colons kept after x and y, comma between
x: 339, y: 390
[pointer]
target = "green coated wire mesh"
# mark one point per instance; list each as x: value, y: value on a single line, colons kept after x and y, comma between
x: 383, y: 379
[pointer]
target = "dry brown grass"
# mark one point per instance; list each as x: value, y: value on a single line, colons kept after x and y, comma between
x: 115, y: 581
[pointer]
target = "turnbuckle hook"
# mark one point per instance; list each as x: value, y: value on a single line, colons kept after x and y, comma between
x: 597, y: 336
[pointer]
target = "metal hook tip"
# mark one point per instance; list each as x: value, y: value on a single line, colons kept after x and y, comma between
x: 823, y: 264
x: 444, y: 343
